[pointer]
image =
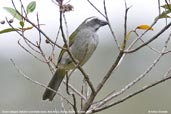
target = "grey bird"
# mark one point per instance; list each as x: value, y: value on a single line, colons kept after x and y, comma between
x: 82, y: 43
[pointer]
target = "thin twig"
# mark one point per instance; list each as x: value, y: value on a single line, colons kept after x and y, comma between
x: 109, y: 24
x: 167, y: 73
x: 36, y: 82
x: 27, y: 41
x: 86, y: 89
x: 75, y: 104
x: 62, y: 105
x: 72, y: 94
x: 35, y: 26
x: 159, y: 7
x: 75, y: 91
x: 66, y: 26
x: 30, y: 52
x: 150, y: 40
x: 23, y: 8
x: 132, y: 94
x: 82, y: 92
x: 52, y: 55
x: 47, y: 61
x: 125, y: 25
x: 96, y: 8
x: 150, y: 47
x: 40, y: 49
x: 101, y: 84
x: 104, y: 101
x: 38, y: 25
x: 67, y: 82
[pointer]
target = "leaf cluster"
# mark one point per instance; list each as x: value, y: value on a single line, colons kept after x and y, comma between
x: 17, y: 15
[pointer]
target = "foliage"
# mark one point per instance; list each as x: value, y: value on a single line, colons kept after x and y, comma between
x: 18, y: 15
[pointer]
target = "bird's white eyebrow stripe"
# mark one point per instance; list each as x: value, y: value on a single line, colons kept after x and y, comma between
x: 90, y: 18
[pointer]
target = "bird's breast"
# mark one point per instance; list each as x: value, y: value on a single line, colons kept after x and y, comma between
x: 83, y: 47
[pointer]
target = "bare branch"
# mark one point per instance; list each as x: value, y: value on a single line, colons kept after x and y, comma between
x: 101, y: 84
x: 75, y: 104
x: 150, y: 40
x: 40, y: 38
x: 150, y: 47
x: 27, y: 41
x: 76, y: 91
x: 62, y: 105
x: 131, y: 83
x: 133, y: 94
x: 22, y: 7
x: 36, y: 82
x: 125, y: 26
x: 96, y: 8
x: 109, y: 24
x: 35, y: 26
x: 30, y: 52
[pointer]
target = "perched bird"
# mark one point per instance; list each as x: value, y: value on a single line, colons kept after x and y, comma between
x: 82, y: 43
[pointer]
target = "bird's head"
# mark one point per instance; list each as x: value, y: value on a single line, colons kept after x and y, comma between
x: 93, y: 23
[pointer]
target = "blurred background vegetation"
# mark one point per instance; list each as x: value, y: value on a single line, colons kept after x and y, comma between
x: 17, y: 93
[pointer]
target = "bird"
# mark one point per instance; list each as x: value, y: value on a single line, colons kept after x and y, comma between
x: 82, y: 43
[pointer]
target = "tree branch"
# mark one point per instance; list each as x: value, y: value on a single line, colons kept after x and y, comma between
x: 100, y: 85
x: 150, y: 40
x: 133, y: 94
x: 36, y: 82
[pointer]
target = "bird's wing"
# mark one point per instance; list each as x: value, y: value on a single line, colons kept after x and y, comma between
x: 71, y: 41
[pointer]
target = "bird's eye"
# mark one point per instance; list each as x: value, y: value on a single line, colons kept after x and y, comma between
x: 96, y: 20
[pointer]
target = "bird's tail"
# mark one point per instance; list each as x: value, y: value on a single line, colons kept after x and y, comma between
x: 54, y: 84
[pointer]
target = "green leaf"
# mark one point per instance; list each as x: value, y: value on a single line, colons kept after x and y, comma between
x: 166, y: 6
x: 31, y: 7
x: 164, y: 14
x: 8, y: 30
x: 127, y: 37
x: 21, y: 23
x: 13, y: 12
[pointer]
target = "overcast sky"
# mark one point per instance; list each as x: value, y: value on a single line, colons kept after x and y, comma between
x: 141, y: 12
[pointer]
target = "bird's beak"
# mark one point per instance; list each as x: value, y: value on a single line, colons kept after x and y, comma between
x: 103, y: 23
